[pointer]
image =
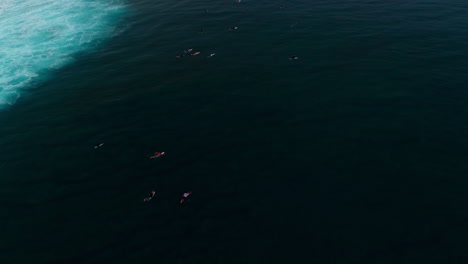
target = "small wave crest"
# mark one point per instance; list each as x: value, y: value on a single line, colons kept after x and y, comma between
x: 39, y: 35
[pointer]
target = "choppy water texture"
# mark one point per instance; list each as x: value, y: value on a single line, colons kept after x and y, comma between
x: 37, y: 36
x: 354, y: 153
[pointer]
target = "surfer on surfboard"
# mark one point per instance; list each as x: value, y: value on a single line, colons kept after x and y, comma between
x: 184, y: 197
x: 150, y: 197
x: 157, y: 155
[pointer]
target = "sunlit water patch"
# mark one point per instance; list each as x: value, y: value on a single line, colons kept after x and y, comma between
x: 39, y: 35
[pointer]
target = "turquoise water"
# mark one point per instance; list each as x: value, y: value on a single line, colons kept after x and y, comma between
x: 38, y: 37
x: 355, y: 153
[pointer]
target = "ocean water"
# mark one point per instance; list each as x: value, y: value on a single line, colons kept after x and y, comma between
x: 354, y: 153
x: 38, y: 37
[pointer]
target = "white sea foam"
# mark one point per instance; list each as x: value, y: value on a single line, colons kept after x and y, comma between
x: 39, y: 35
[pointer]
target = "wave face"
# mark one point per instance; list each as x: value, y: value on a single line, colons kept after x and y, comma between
x: 39, y: 35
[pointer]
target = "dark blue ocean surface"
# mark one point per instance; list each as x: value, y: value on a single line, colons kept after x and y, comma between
x: 357, y: 152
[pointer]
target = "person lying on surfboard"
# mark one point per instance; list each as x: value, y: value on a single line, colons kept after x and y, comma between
x: 150, y: 197
x: 157, y: 155
x: 185, y: 196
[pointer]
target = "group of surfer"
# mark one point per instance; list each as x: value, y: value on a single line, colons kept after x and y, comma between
x: 160, y: 154
x: 152, y: 193
x: 184, y: 195
x: 187, y: 51
x: 181, y: 201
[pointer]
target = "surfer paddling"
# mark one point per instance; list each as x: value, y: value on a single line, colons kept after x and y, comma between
x: 183, y: 54
x: 150, y: 197
x: 184, y: 197
x: 157, y: 155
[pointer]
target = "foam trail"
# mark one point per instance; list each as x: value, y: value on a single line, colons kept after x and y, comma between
x: 39, y: 35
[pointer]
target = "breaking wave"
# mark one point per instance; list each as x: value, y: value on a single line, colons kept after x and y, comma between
x: 39, y: 35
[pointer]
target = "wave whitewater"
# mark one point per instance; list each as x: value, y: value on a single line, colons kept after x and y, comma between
x: 39, y: 35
